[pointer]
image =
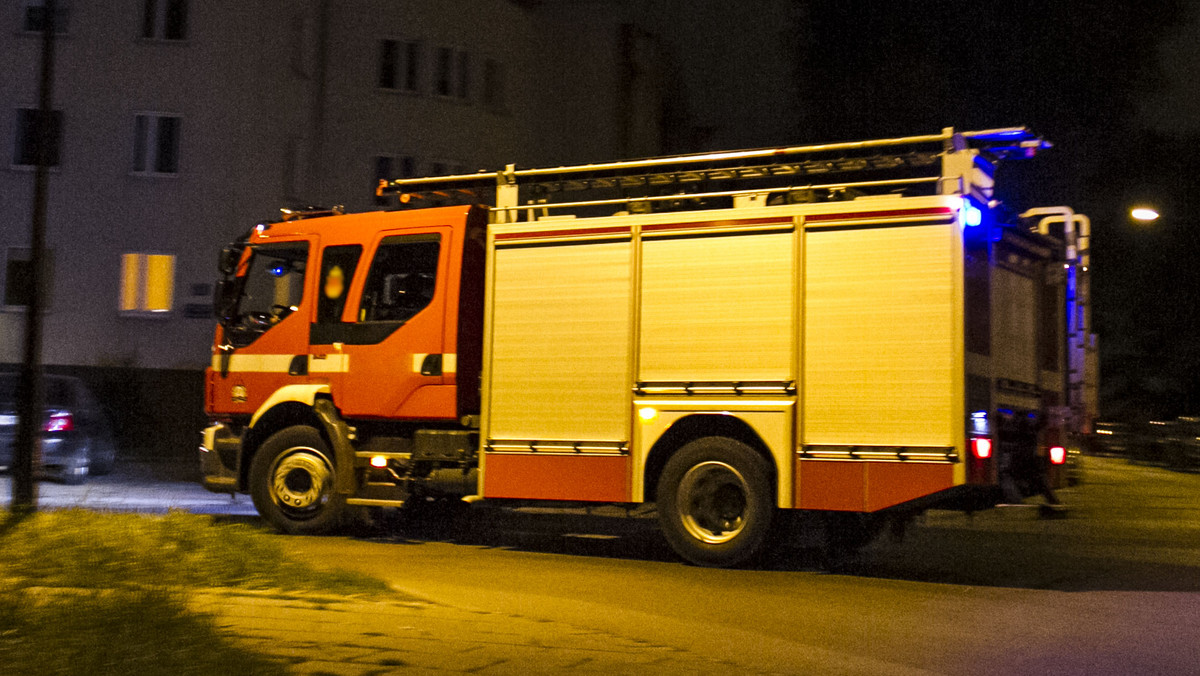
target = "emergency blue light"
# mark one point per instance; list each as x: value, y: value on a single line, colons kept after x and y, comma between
x: 278, y: 270
x: 972, y: 215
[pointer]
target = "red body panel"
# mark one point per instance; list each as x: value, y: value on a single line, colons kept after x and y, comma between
x: 588, y: 478
x: 866, y: 486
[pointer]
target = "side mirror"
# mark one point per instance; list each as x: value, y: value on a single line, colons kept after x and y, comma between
x: 228, y: 261
x: 225, y: 297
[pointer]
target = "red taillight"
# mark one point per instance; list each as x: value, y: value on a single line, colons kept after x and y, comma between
x: 59, y: 422
x: 1058, y: 455
x: 981, y: 447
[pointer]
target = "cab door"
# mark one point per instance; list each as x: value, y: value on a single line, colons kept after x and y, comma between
x: 393, y: 333
x: 265, y: 346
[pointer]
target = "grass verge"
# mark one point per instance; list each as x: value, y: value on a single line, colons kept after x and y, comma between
x: 89, y: 593
x: 78, y: 548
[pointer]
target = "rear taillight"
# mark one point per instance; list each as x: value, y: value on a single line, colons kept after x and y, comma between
x: 59, y: 422
x: 981, y: 447
x: 1058, y: 455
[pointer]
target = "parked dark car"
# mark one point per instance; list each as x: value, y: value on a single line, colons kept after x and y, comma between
x: 76, y: 437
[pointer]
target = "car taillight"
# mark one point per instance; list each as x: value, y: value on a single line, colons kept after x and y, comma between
x: 981, y: 447
x: 1058, y: 455
x: 59, y: 422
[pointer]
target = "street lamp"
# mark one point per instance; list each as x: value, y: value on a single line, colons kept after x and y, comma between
x: 1143, y: 214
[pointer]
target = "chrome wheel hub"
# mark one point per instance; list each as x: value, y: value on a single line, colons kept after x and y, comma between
x: 301, y: 481
x: 712, y: 502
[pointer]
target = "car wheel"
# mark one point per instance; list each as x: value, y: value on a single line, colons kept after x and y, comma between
x: 715, y: 502
x: 292, y: 479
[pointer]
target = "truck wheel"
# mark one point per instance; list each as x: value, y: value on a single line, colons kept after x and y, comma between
x: 292, y: 482
x: 715, y: 503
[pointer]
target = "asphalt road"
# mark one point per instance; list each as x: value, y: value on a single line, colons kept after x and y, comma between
x: 1112, y: 589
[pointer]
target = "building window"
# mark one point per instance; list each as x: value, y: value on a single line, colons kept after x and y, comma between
x: 18, y: 286
x: 17, y: 289
x: 400, y: 65
x: 34, y: 16
x: 462, y: 87
x: 164, y: 19
x: 156, y: 144
x: 493, y: 85
x: 447, y: 168
x: 147, y: 283
x: 453, y: 73
x: 30, y: 129
x: 445, y: 63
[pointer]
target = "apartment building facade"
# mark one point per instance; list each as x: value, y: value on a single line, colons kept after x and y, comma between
x: 180, y: 123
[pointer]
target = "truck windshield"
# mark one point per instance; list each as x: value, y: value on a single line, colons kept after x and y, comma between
x: 272, y: 289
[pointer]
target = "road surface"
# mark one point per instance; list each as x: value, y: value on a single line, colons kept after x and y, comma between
x: 1112, y: 589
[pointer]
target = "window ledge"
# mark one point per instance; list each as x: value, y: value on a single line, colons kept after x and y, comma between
x: 161, y: 41
x: 153, y: 174
x: 398, y: 91
x: 146, y: 314
x: 30, y: 168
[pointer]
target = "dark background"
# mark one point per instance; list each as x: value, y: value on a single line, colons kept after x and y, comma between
x: 1113, y: 84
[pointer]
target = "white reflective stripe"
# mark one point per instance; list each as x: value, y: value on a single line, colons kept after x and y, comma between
x: 249, y: 363
x: 281, y: 363
x: 329, y: 363
x: 418, y: 361
x: 303, y: 393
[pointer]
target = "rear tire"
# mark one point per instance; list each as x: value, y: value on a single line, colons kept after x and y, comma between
x: 715, y: 502
x: 292, y: 479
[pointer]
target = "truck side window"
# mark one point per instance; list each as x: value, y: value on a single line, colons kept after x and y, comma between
x: 337, y: 269
x: 402, y: 278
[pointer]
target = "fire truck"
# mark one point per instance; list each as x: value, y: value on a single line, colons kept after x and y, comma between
x: 854, y: 330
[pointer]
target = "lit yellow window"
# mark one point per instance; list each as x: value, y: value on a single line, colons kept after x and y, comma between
x: 147, y: 282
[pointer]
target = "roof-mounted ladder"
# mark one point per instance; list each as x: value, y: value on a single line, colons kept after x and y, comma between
x: 890, y: 164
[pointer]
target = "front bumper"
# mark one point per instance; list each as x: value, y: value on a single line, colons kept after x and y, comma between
x: 221, y: 459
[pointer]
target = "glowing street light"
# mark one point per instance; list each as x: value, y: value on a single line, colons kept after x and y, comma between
x: 1144, y: 214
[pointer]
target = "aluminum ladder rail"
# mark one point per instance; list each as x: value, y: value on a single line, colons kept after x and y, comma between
x: 739, y: 165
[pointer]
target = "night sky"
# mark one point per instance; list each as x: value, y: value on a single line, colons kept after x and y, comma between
x: 1115, y: 85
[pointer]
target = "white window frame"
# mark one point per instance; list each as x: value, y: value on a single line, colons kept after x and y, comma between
x: 147, y: 141
x: 142, y: 291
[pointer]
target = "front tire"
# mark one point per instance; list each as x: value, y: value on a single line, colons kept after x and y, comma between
x: 292, y: 479
x: 715, y: 502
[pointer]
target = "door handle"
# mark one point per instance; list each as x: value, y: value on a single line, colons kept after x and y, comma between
x: 299, y: 365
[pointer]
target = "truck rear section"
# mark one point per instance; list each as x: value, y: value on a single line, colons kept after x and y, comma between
x: 728, y: 336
